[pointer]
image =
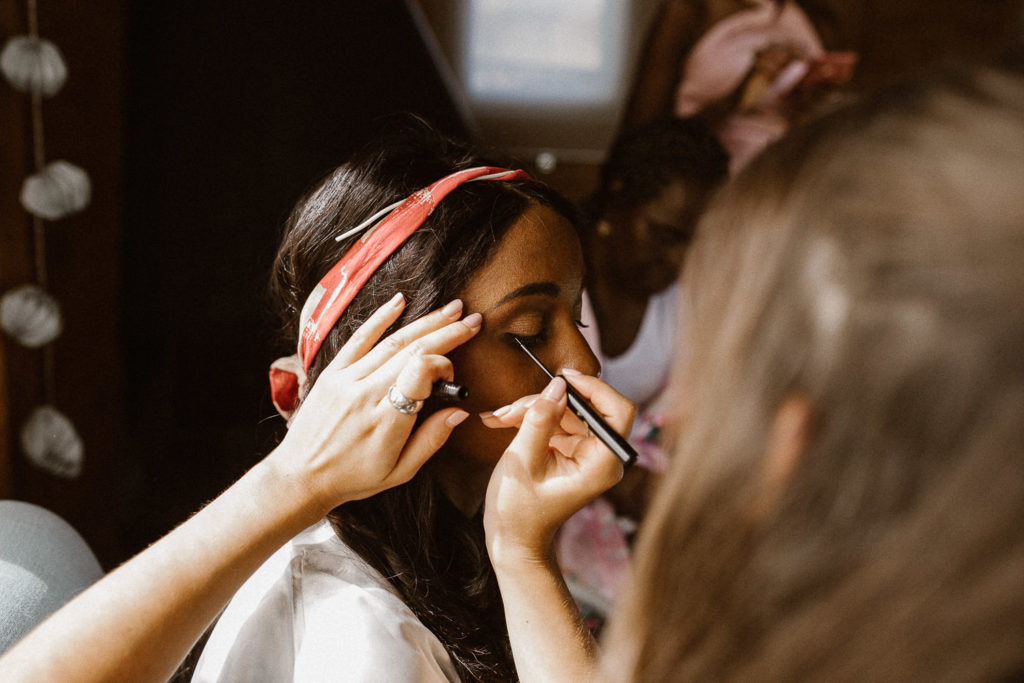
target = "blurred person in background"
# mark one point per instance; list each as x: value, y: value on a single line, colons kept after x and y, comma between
x: 749, y: 68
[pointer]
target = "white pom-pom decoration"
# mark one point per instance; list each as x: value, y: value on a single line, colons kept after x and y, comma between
x: 30, y: 315
x: 59, y: 190
x: 33, y: 65
x: 52, y: 443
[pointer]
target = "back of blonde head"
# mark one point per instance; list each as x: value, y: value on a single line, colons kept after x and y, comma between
x: 873, y: 265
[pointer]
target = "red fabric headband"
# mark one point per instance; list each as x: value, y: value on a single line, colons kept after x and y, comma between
x: 339, y: 286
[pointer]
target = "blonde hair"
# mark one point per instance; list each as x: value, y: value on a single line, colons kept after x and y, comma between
x: 873, y: 265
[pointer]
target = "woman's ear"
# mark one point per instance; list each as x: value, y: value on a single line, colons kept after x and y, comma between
x: 787, y: 443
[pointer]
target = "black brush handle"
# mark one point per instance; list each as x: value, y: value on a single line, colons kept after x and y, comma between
x: 622, y: 449
x: 586, y: 412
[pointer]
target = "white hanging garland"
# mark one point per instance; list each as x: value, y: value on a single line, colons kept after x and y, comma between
x: 59, y: 190
x: 30, y: 315
x: 51, y: 442
x: 35, y: 66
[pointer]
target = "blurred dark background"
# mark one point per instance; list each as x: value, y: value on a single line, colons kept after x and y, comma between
x: 233, y: 110
x: 200, y: 124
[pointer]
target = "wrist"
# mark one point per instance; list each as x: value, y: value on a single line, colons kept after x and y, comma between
x: 294, y: 492
x: 514, y: 554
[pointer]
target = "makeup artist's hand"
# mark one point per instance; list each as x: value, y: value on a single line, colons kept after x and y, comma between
x: 347, y: 441
x: 552, y: 468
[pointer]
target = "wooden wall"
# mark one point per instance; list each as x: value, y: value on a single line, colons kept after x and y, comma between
x: 200, y: 124
x: 234, y: 109
x: 84, y: 124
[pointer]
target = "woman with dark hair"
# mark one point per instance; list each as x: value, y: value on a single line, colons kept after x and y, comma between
x: 347, y: 444
x: 373, y: 587
x: 654, y: 185
x: 399, y: 585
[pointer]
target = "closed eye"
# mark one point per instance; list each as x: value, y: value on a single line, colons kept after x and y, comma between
x: 529, y: 340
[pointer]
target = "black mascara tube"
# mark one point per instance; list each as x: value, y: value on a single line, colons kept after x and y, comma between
x: 586, y: 412
x: 449, y: 391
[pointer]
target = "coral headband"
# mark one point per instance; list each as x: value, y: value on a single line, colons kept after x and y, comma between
x: 339, y: 286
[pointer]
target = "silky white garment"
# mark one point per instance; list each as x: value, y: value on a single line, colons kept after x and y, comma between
x: 316, y: 611
x: 642, y: 371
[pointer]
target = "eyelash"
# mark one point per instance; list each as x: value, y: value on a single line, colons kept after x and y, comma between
x: 532, y: 340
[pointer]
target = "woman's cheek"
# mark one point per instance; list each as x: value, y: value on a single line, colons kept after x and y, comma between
x: 474, y: 440
x: 495, y: 374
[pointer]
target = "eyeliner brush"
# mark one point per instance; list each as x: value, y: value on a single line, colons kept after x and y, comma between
x: 586, y: 412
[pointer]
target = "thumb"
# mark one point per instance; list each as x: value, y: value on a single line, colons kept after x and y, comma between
x: 539, y: 424
x: 425, y: 442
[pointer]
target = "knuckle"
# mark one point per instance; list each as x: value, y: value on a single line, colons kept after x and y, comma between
x: 420, y: 365
x: 540, y: 414
x: 359, y: 336
x: 618, y: 471
x: 415, y: 348
x: 394, y: 343
x: 440, y: 364
x: 359, y: 333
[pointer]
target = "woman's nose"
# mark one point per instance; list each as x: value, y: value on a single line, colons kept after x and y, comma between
x: 579, y: 356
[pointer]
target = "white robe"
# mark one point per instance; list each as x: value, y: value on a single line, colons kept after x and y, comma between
x: 642, y: 371
x: 316, y: 611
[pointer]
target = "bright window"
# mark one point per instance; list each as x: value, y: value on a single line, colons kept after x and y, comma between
x: 544, y: 51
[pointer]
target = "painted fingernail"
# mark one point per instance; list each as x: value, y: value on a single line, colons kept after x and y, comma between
x: 473, y: 321
x: 456, y: 418
x: 502, y: 412
x: 572, y: 372
x: 453, y: 308
x: 555, y: 390
x: 397, y: 299
x: 485, y: 414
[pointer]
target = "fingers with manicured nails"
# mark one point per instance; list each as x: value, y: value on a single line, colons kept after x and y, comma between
x: 440, y: 341
x: 509, y: 415
x: 369, y: 333
x: 424, y: 442
x: 399, y: 340
x: 512, y: 416
x: 445, y: 339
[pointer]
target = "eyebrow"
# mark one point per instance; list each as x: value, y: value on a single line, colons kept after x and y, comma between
x: 545, y: 288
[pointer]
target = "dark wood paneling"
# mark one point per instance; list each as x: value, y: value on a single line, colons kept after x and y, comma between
x: 233, y: 110
x: 84, y: 125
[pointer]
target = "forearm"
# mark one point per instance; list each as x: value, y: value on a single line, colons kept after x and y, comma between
x: 141, y: 620
x: 659, y: 67
x: 535, y: 487
x: 550, y: 641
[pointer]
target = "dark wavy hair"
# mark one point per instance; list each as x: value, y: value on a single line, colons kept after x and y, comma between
x: 431, y: 553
